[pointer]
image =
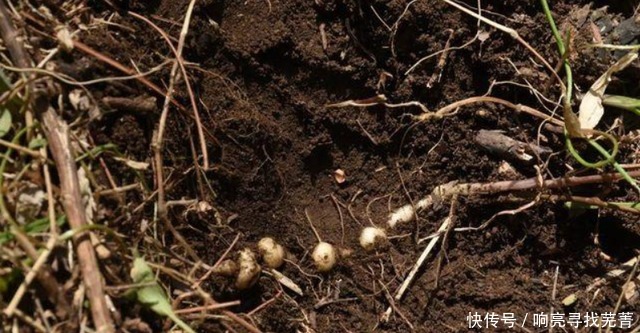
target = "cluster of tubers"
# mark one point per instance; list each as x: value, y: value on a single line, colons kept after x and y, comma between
x: 246, y: 269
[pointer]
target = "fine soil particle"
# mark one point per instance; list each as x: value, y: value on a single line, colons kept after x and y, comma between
x: 263, y: 73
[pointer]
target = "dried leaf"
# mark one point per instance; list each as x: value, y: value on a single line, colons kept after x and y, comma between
x: 483, y: 36
x: 79, y: 100
x: 572, y: 123
x: 630, y: 291
x: 591, y: 109
x: 507, y: 169
x: 287, y: 282
x: 30, y: 200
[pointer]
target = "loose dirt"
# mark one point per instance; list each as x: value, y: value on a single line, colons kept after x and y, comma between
x: 262, y: 78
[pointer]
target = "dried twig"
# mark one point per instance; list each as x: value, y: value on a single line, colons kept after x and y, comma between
x: 425, y: 253
x: 113, y: 63
x: 631, y: 276
x: 444, y: 192
x: 57, y: 134
x: 213, y: 268
x: 488, y: 99
x: 442, y: 61
x: 212, y: 307
x: 514, y: 34
x: 613, y: 274
x: 21, y: 149
x: 58, y: 137
x: 158, y: 139
x: 138, y: 104
x: 266, y: 303
x: 592, y: 201
x: 180, y: 63
x: 206, y: 296
x: 88, y: 50
x: 29, y: 321
x: 33, y: 273
x: 416, y: 267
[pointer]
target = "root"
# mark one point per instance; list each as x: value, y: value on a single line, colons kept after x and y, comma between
x: 445, y: 192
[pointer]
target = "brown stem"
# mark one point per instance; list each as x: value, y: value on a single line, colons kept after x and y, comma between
x: 44, y: 276
x: 447, y: 191
x: 57, y: 133
x: 593, y: 201
x: 488, y: 99
x: 532, y: 183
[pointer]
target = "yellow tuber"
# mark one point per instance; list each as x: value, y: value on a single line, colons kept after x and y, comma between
x: 324, y: 256
x: 272, y: 253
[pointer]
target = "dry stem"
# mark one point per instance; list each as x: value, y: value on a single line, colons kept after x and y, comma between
x: 44, y: 276
x: 416, y: 267
x: 488, y: 99
x: 443, y: 227
x: 180, y: 62
x: 58, y: 137
x: 57, y: 134
x: 212, y: 307
x: 446, y: 191
x: 159, y: 138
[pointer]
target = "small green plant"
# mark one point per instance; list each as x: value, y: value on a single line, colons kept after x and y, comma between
x: 622, y: 102
x: 150, y: 293
x: 34, y: 227
x: 573, y: 129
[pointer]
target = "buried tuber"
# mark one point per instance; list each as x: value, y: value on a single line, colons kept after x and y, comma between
x: 245, y: 269
x: 324, y: 256
x: 372, y: 237
x: 228, y: 268
x: 272, y: 253
x: 248, y: 270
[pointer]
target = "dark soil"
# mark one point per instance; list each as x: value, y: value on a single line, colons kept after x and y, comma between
x: 263, y: 78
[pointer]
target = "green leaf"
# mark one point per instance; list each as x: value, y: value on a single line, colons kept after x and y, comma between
x: 42, y: 225
x: 5, y: 122
x: 35, y: 227
x: 36, y: 143
x: 152, y: 295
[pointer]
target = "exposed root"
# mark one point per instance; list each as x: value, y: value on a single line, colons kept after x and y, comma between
x: 447, y: 191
